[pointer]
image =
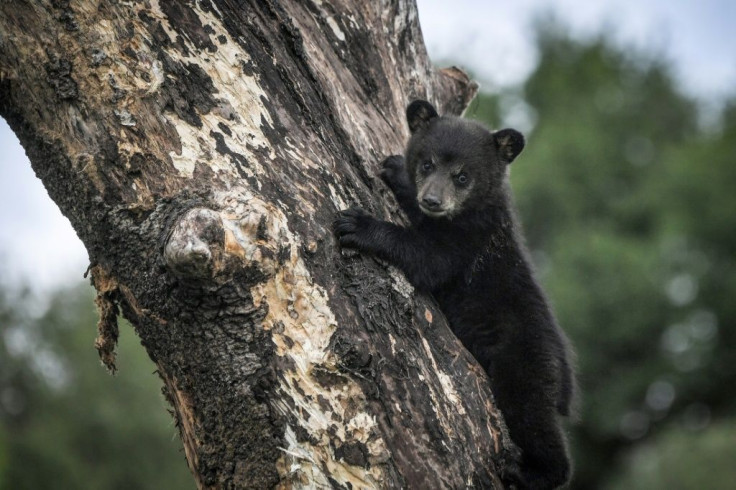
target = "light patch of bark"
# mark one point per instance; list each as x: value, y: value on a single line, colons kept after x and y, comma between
x: 400, y: 284
x: 302, y: 324
x: 192, y: 150
x: 445, y: 381
x: 241, y: 103
x: 302, y: 471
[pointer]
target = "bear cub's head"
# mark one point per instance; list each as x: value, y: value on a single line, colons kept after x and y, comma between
x: 455, y: 163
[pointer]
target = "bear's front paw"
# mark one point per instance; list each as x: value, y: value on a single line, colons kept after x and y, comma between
x: 393, y: 172
x: 353, y: 228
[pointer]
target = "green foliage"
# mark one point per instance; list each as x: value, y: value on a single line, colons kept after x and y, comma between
x: 66, y: 423
x: 680, y: 460
x: 628, y: 207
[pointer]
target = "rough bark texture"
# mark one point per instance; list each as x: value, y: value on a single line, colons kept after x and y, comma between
x: 200, y: 150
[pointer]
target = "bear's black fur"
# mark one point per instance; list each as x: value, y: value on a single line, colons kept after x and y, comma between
x: 464, y: 248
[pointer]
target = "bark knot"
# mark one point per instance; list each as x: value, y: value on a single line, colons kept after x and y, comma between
x: 194, y: 247
x: 244, y: 234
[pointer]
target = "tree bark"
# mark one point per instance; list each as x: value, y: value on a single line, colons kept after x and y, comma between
x: 201, y: 150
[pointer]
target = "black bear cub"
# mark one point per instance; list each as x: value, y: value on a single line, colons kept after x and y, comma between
x: 464, y: 247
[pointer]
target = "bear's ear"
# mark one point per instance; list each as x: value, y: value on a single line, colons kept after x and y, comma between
x: 419, y: 114
x: 509, y: 142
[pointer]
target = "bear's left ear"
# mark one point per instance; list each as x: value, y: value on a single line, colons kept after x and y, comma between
x: 509, y: 142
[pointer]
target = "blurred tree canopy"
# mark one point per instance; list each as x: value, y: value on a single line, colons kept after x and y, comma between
x: 628, y: 208
x: 64, y: 422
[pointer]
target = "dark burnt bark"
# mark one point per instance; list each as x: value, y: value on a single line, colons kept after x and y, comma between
x: 200, y: 150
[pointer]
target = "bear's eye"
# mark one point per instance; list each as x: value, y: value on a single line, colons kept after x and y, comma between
x: 461, y: 179
x: 427, y: 166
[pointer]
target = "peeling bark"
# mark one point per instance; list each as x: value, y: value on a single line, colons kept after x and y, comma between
x: 201, y: 149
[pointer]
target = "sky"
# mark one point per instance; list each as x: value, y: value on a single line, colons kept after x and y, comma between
x: 491, y: 39
x: 494, y: 39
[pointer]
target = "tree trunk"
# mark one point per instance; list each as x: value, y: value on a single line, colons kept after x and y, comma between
x: 201, y: 150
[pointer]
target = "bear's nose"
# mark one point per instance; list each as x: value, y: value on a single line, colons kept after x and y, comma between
x: 431, y: 202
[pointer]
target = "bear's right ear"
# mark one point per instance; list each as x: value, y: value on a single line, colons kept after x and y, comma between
x: 419, y: 114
